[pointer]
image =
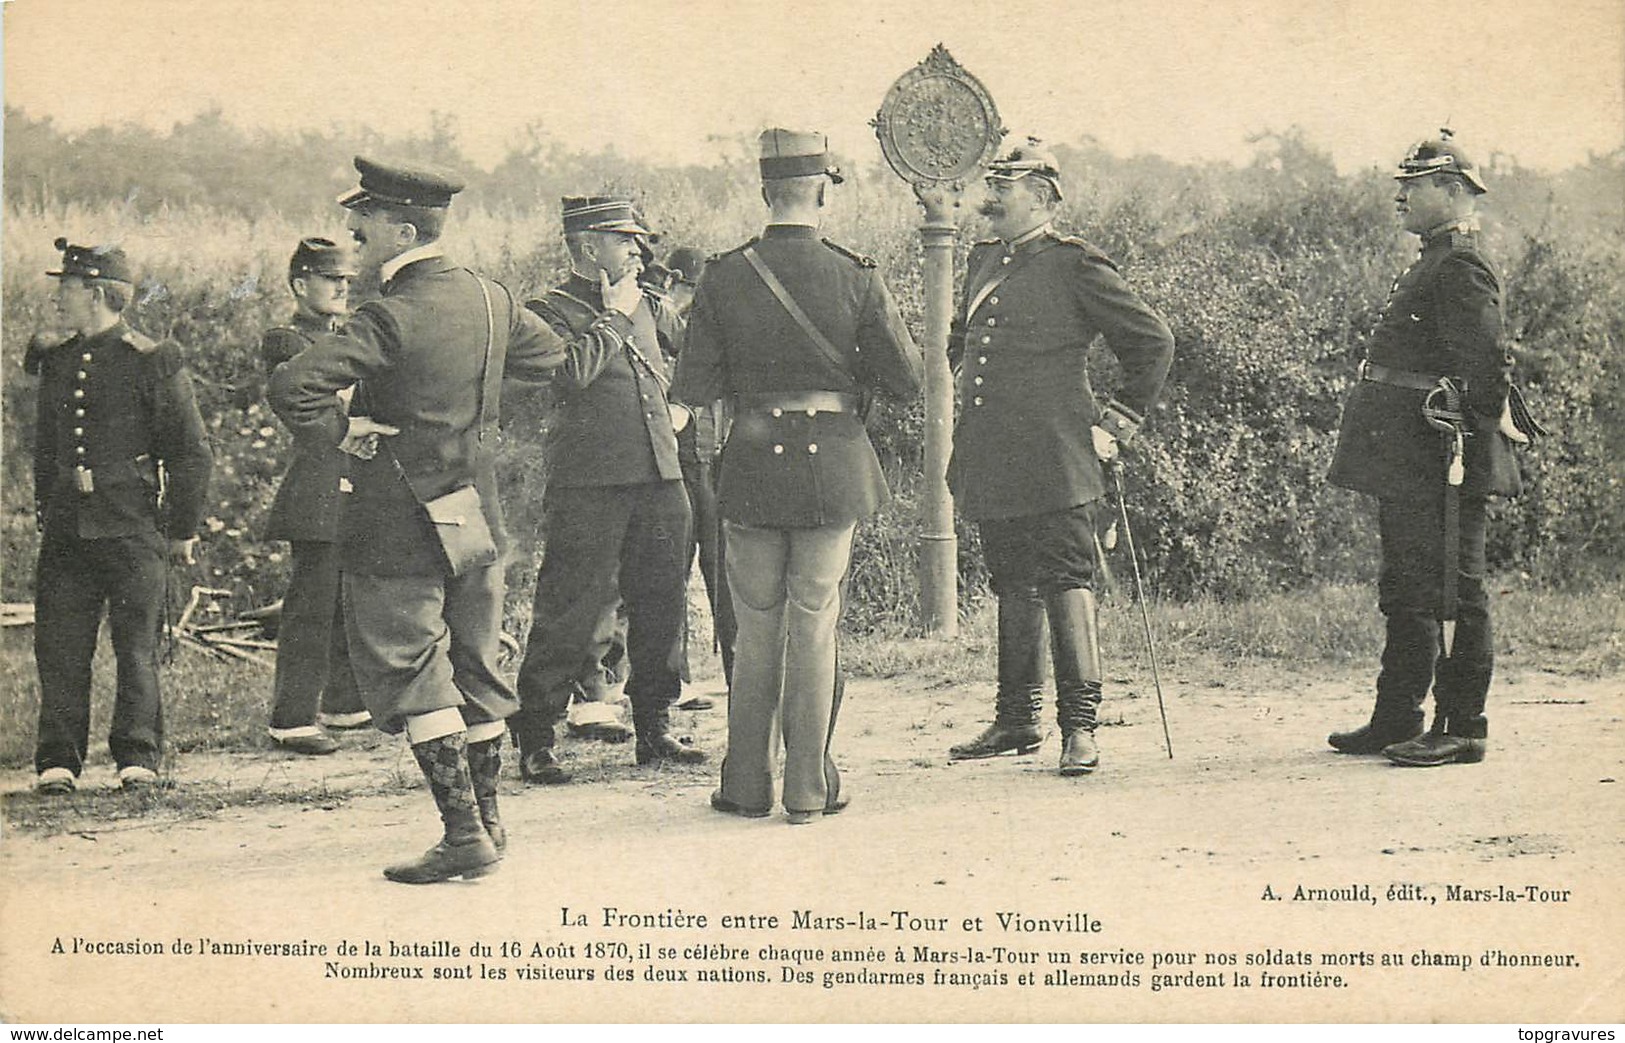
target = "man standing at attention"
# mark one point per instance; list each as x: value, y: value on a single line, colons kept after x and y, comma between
x: 617, y: 518
x: 117, y: 423
x: 796, y: 330
x: 1427, y: 431
x: 423, y: 626
x: 1031, y: 440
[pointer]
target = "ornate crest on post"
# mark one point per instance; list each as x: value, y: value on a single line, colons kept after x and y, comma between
x: 938, y: 123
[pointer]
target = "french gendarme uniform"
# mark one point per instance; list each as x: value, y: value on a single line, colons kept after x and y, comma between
x: 1443, y: 321
x: 117, y: 422
x: 617, y: 518
x: 313, y: 660
x: 796, y: 332
x: 1024, y: 466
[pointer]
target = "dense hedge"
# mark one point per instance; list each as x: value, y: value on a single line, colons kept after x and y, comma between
x: 1270, y: 277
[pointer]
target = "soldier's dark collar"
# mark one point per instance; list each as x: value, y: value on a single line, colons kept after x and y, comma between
x: 790, y: 232
x: 1026, y: 241
x: 1457, y: 225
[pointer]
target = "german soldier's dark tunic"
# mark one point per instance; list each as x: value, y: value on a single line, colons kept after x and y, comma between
x: 1024, y: 465
x: 115, y: 410
x: 1443, y: 318
x: 1022, y: 444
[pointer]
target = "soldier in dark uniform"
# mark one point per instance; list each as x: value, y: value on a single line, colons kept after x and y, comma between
x: 121, y: 474
x: 1031, y: 440
x: 313, y: 676
x: 1438, y: 347
x: 423, y: 631
x: 796, y: 331
x: 616, y: 515
x: 699, y: 444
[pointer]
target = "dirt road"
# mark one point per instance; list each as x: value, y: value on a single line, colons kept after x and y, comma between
x: 1156, y: 889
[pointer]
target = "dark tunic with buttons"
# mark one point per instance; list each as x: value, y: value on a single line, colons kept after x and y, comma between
x: 793, y: 470
x: 308, y: 502
x: 1443, y: 318
x: 119, y: 404
x: 614, y: 427
x: 1022, y: 444
x: 115, y: 408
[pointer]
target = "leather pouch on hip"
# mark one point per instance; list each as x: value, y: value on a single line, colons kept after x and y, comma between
x: 459, y: 526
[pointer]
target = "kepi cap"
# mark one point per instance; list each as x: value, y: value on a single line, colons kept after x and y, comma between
x: 318, y: 256
x: 1029, y: 157
x: 400, y: 185
x: 93, y: 262
x: 603, y: 214
x: 1440, y: 155
x: 795, y: 153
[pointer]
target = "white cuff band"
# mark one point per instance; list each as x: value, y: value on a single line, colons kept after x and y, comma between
x: 436, y: 724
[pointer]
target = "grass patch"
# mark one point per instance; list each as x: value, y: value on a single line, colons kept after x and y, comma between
x: 1571, y: 631
x: 213, y: 705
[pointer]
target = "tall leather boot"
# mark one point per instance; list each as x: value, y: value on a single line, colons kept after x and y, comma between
x: 1075, y: 648
x: 484, y: 770
x: 465, y: 849
x: 1021, y: 679
x: 1412, y: 643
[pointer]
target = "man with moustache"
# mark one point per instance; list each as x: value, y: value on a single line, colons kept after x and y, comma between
x: 1032, y: 442
x: 1427, y: 430
x: 424, y: 627
x: 617, y: 518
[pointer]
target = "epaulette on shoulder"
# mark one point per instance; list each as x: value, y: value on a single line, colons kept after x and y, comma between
x: 140, y: 341
x: 166, y: 357
x: 40, y: 345
x: 861, y: 260
x: 741, y: 248
x: 1090, y: 250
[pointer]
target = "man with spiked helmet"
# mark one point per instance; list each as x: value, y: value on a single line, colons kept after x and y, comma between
x: 1032, y: 442
x: 1428, y: 429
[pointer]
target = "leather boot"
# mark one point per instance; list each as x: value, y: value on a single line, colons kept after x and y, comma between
x: 655, y: 741
x: 485, y: 770
x: 1021, y: 678
x: 1075, y: 650
x: 1408, y: 651
x: 465, y: 849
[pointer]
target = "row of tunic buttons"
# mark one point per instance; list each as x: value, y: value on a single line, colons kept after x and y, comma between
x: 981, y: 360
x: 79, y: 411
x: 812, y: 449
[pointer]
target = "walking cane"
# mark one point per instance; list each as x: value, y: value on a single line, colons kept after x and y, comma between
x: 1139, y: 593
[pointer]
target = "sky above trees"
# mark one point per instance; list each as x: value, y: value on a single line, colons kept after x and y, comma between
x: 689, y: 82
